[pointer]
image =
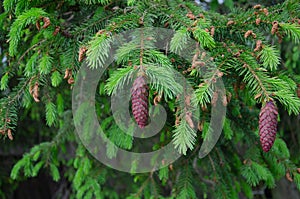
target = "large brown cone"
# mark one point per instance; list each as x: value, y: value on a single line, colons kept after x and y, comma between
x: 139, y: 98
x: 268, y: 125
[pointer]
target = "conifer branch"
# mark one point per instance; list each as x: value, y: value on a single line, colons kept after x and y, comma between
x: 29, y: 49
x: 28, y: 17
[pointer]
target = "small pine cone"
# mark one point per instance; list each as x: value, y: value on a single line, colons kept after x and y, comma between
x: 268, y: 125
x: 139, y: 99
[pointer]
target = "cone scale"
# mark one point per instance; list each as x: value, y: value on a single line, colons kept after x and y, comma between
x: 268, y: 125
x: 139, y: 101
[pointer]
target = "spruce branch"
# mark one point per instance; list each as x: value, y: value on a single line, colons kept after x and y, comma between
x: 127, y: 52
x: 292, y: 31
x: 270, y: 57
x: 179, y: 40
x: 98, y: 50
x: 9, y: 106
x: 204, y: 92
x: 289, y: 100
x: 28, y: 17
x: 93, y: 24
x: 253, y: 77
x: 118, y: 79
x: 184, y: 137
x: 204, y: 38
x: 29, y: 49
x: 163, y: 80
x: 185, y: 187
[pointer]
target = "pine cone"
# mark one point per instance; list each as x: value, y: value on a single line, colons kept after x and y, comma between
x: 139, y: 97
x: 268, y: 125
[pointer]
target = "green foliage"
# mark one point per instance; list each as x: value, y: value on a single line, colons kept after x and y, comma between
x: 185, y: 187
x: 292, y: 30
x: 54, y: 172
x: 228, y: 132
x: 118, y: 79
x: 31, y: 65
x: 31, y: 163
x: 50, y: 113
x: 98, y: 52
x: 203, y: 94
x: 297, y: 180
x: 163, y: 81
x: 254, y: 173
x: 179, y: 41
x: 270, y: 57
x: 86, y: 181
x: 28, y: 17
x: 4, y: 81
x: 130, y: 2
x: 216, y: 48
x: 204, y: 38
x: 9, y: 4
x: 184, y: 137
x: 56, y: 78
x: 45, y: 65
x: 104, y: 2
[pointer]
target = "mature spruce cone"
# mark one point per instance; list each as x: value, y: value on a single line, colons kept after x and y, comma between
x: 268, y: 125
x: 139, y: 97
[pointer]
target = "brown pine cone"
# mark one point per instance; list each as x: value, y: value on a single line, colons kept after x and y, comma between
x: 139, y: 98
x: 268, y: 125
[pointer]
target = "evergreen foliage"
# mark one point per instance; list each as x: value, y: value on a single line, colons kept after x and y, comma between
x: 254, y: 51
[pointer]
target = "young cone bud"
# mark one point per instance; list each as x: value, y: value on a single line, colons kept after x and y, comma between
x: 268, y: 125
x: 139, y: 98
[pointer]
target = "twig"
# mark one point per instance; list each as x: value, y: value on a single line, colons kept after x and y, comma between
x: 29, y: 49
x: 196, y: 169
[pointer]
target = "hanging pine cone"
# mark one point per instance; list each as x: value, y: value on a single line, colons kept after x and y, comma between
x: 268, y: 125
x: 139, y: 97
